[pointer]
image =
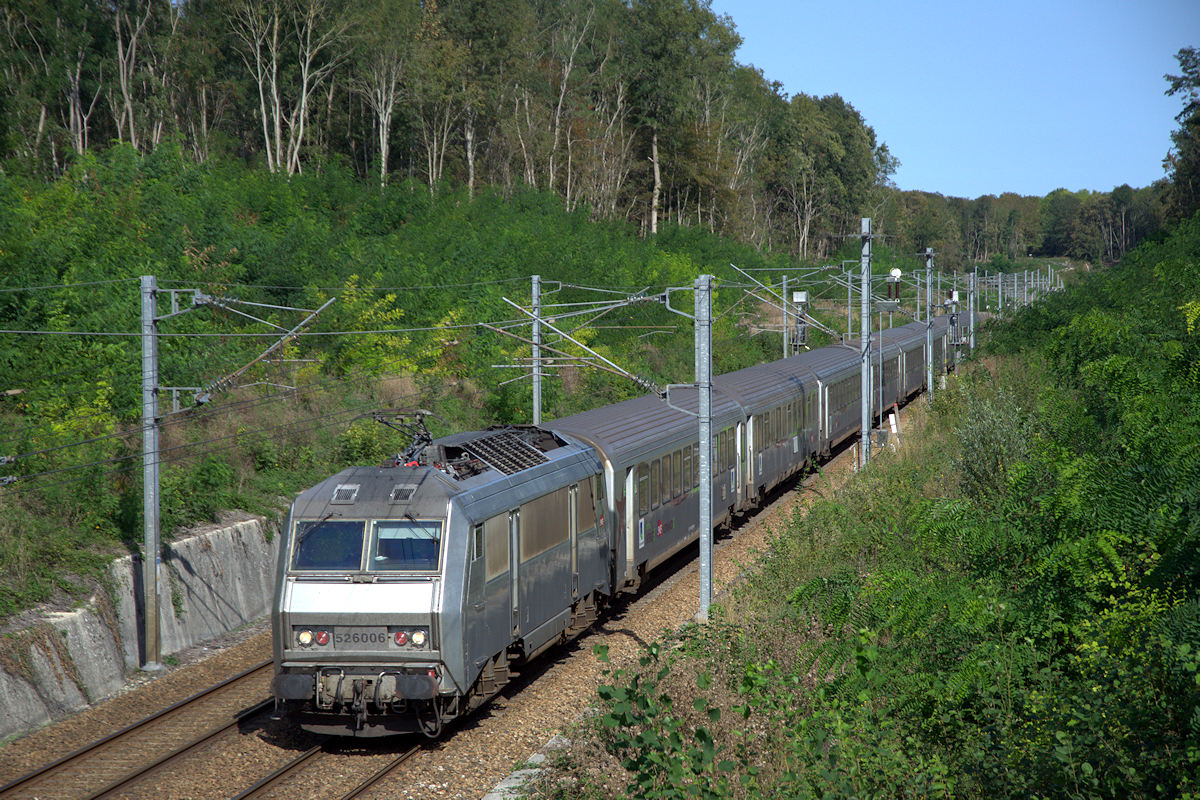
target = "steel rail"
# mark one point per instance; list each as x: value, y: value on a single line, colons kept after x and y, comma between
x: 85, y: 750
x: 279, y: 774
x: 382, y: 773
x: 137, y: 775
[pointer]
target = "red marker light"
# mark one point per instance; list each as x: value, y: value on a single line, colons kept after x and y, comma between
x: 322, y: 637
x: 401, y: 638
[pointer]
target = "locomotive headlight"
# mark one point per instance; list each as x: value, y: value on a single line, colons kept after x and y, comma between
x: 305, y: 638
x: 418, y: 638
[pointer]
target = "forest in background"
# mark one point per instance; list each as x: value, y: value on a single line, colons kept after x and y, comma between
x: 234, y: 147
x: 635, y: 111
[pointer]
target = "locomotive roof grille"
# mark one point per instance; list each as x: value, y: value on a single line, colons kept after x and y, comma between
x: 403, y: 493
x: 344, y: 493
x: 506, y: 451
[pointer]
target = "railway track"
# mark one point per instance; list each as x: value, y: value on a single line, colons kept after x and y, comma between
x: 471, y: 760
x: 107, y: 767
x: 281, y: 782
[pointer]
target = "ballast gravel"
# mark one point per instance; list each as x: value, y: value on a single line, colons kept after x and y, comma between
x: 480, y: 752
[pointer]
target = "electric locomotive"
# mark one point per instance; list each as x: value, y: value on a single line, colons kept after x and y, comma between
x: 403, y: 591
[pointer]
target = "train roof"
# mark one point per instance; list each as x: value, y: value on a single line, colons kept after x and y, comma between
x: 371, y: 492
x: 628, y: 431
x: 476, y: 463
x: 761, y: 384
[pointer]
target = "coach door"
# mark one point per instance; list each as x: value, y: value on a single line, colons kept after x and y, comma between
x: 742, y: 463
x: 637, y: 481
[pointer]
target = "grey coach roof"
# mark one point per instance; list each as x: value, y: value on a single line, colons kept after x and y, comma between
x: 625, y: 432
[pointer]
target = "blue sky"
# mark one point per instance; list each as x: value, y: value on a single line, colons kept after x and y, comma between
x: 982, y: 98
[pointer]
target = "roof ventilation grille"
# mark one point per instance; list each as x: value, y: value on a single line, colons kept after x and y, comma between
x: 344, y: 493
x: 506, y: 451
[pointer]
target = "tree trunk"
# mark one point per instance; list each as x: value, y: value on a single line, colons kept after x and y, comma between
x: 469, y: 136
x: 657, y: 191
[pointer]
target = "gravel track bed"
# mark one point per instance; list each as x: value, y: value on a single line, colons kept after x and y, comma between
x: 545, y: 698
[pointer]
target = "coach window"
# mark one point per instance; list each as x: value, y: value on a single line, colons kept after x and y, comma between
x: 655, y: 474
x: 585, y: 512
x: 688, y: 477
x: 601, y: 498
x: 677, y: 474
x: 643, y: 488
x: 664, y: 485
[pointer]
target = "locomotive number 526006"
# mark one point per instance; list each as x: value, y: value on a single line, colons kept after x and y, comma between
x: 359, y: 636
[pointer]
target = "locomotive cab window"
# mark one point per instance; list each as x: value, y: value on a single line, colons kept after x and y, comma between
x: 478, y: 542
x: 328, y: 544
x: 405, y: 545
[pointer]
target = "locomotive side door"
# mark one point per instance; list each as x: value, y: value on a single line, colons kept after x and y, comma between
x: 573, y: 524
x: 514, y: 550
x: 488, y: 589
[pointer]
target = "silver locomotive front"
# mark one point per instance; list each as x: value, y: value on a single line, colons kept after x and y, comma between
x: 357, y: 628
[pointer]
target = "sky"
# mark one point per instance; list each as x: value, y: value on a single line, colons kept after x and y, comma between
x: 980, y: 97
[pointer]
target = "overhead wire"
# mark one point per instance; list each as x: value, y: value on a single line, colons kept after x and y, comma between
x: 215, y: 409
x: 427, y: 287
x: 244, y: 405
x: 66, y: 285
x: 15, y: 433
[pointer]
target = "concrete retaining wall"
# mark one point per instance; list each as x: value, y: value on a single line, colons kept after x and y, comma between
x: 58, y: 663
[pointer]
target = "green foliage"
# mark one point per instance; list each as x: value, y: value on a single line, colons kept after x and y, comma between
x: 668, y: 756
x: 412, y: 271
x: 1008, y: 611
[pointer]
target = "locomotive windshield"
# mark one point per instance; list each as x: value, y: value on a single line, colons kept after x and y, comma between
x: 328, y: 544
x: 405, y: 545
x: 395, y: 545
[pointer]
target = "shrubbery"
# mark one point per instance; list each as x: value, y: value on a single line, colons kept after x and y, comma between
x: 1010, y: 610
x: 234, y: 232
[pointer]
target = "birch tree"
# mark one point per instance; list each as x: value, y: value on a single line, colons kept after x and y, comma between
x: 309, y: 32
x: 386, y: 31
x: 435, y: 89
